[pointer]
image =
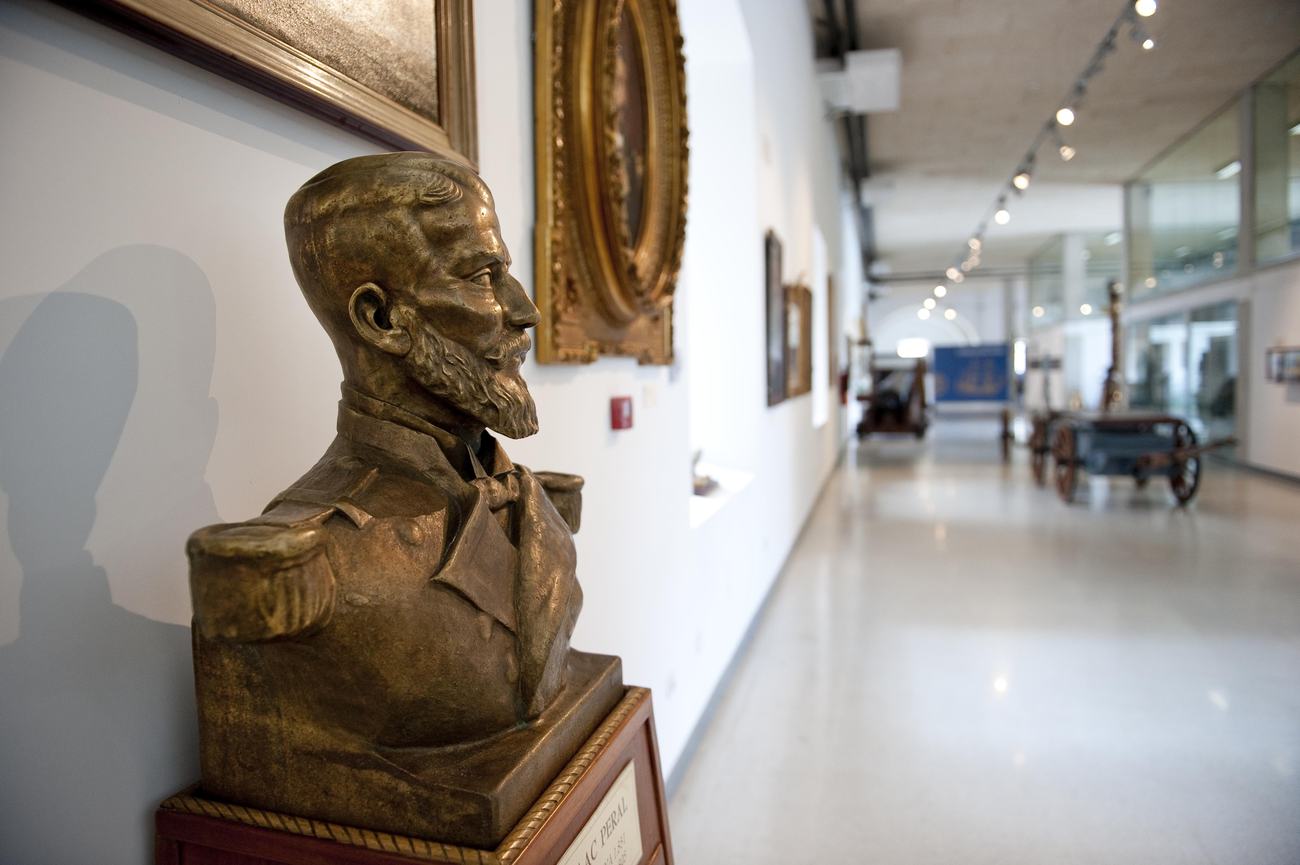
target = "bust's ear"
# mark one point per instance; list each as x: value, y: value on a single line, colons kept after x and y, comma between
x: 369, y: 310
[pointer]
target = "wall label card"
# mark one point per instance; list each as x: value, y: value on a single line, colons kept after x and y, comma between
x: 612, y: 835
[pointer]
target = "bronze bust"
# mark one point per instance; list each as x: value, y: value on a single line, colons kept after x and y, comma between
x: 387, y: 645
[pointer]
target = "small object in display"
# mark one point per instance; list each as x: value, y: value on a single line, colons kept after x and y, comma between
x: 701, y: 484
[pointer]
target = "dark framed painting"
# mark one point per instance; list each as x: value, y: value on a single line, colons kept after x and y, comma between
x: 400, y: 72
x: 774, y: 293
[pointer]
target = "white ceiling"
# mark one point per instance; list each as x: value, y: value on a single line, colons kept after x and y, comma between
x: 981, y: 76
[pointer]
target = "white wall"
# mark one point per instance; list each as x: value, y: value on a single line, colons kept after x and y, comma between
x: 159, y: 371
x: 1272, y: 410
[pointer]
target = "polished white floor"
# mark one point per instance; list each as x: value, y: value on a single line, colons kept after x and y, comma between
x: 956, y: 667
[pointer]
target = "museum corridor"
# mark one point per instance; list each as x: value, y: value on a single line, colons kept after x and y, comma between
x: 957, y: 667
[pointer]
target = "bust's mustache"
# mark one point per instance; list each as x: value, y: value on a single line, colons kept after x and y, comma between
x: 512, y: 348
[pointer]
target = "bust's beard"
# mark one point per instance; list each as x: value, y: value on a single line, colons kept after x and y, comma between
x: 496, y: 397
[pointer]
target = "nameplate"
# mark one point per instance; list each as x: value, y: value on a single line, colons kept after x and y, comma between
x: 612, y: 836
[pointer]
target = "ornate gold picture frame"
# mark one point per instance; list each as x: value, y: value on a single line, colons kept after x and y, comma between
x: 798, y: 339
x: 400, y: 72
x: 611, y: 178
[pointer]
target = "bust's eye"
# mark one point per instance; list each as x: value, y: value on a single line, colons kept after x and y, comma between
x: 483, y: 277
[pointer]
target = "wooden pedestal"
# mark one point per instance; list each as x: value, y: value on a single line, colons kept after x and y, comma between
x: 192, y: 830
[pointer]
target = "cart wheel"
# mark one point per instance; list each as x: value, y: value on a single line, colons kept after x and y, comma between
x: 1184, y: 474
x: 1067, y: 463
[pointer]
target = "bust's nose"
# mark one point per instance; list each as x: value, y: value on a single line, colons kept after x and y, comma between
x: 520, y: 311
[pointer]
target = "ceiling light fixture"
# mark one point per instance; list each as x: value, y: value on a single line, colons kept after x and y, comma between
x: 940, y: 290
x: 950, y: 313
x: 928, y: 303
x: 1232, y: 169
x: 1085, y: 308
x: 1065, y: 115
x: 923, y: 314
x: 1038, y: 312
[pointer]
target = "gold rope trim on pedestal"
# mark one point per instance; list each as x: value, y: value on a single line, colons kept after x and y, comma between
x: 528, y: 827
x: 420, y: 848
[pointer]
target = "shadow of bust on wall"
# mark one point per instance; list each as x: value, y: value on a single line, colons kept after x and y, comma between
x: 387, y: 645
x: 97, y: 710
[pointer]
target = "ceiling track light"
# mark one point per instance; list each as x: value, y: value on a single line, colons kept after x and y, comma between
x: 1141, y: 37
x: 1064, y: 116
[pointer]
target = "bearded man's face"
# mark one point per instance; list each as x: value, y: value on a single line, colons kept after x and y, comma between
x: 467, y: 317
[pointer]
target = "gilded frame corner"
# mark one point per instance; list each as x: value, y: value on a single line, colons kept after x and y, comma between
x: 211, y: 36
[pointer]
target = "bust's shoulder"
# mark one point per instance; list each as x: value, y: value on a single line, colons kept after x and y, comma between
x: 361, y: 487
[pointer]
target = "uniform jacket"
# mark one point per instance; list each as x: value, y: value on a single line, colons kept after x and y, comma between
x: 402, y: 594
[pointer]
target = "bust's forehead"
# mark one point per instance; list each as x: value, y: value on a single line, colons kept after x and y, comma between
x: 464, y: 228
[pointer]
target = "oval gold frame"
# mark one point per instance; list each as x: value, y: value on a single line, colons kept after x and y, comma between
x: 600, y: 293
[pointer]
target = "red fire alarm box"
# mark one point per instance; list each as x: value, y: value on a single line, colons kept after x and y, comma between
x: 620, y: 412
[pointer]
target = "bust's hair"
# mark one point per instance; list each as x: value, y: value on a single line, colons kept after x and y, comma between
x: 357, y: 222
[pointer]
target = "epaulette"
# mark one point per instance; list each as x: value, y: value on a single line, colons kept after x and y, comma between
x: 565, y: 492
x: 268, y: 578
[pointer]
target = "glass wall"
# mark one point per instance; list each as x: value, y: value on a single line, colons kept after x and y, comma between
x: 1103, y: 255
x: 1047, y: 284
x: 1276, y: 109
x: 1186, y: 364
x: 1184, y: 211
x: 1051, y: 300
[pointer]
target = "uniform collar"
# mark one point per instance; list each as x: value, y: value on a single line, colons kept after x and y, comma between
x: 414, y: 440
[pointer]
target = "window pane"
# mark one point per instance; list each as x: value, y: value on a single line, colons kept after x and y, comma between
x: 1185, y: 211
x: 1277, y: 163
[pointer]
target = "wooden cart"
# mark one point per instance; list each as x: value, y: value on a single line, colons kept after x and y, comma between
x: 1134, y: 444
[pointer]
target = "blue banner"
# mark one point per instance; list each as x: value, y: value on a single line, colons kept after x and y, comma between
x: 973, y: 373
